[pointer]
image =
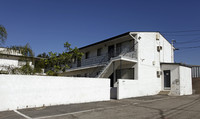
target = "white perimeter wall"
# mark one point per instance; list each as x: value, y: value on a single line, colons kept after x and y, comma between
x: 185, y: 81
x: 136, y: 88
x: 20, y: 91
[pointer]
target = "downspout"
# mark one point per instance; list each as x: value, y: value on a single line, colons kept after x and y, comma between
x: 114, y: 74
x: 179, y: 80
x: 120, y: 69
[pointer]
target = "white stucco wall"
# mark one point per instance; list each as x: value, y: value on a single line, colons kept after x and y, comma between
x: 20, y: 91
x: 181, y: 79
x: 6, y: 62
x: 12, y: 62
x: 175, y: 78
x: 136, y: 88
x: 148, y: 49
x: 167, y: 53
x: 148, y: 64
x: 185, y: 80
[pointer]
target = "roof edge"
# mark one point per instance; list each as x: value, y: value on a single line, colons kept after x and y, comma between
x: 181, y: 64
x: 127, y: 33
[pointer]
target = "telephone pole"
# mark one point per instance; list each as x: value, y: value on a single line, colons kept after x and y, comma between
x: 172, y: 51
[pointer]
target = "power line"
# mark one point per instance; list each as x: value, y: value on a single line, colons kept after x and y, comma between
x: 180, y: 43
x: 186, y: 42
x: 189, y: 41
x: 180, y: 31
x: 181, y: 48
x: 182, y: 34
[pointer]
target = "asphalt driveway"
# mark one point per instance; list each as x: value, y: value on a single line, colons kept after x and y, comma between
x: 150, y: 107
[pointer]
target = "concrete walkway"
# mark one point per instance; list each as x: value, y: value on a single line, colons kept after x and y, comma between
x: 151, y: 107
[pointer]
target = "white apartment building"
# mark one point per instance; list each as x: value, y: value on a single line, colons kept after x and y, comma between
x: 145, y: 58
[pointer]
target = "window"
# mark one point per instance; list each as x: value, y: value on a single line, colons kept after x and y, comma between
x: 21, y: 63
x: 127, y: 73
x: 118, y: 48
x: 99, y: 52
x: 87, y: 55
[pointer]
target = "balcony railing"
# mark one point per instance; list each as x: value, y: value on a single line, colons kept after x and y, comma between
x: 103, y: 59
x: 94, y: 60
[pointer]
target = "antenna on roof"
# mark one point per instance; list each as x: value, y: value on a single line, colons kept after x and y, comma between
x: 173, y: 41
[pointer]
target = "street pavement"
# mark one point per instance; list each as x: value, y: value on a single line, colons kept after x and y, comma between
x: 149, y: 107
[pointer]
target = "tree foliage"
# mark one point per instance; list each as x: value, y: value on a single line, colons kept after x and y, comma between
x: 26, y: 70
x: 56, y: 62
x: 43, y: 55
x: 27, y: 56
x: 3, y: 34
x: 24, y: 50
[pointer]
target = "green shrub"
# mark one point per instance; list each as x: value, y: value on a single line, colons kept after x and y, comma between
x: 51, y: 73
x: 3, y: 72
x: 37, y: 70
x: 26, y: 69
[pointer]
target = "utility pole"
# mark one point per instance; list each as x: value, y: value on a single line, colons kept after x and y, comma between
x: 173, y: 41
x: 172, y: 51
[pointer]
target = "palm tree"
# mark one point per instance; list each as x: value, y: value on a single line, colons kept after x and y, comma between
x: 27, y: 56
x: 26, y: 50
x: 3, y: 34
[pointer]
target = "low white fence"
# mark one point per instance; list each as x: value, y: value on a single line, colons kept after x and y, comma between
x: 22, y: 91
x: 135, y: 88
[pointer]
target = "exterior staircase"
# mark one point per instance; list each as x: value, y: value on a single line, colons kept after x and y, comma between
x: 104, y: 69
x: 107, y: 61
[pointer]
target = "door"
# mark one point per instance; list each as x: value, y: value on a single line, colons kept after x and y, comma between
x: 113, y: 90
x: 79, y: 63
x: 111, y: 51
x: 111, y: 80
x: 167, y: 79
x: 118, y: 48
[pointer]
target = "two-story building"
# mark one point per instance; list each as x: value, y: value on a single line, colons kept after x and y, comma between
x: 13, y: 59
x: 133, y: 56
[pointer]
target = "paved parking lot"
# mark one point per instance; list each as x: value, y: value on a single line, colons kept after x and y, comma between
x: 150, y: 107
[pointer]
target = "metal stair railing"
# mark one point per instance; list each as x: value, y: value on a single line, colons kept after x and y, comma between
x: 121, y: 54
x: 130, y: 51
x: 104, y: 60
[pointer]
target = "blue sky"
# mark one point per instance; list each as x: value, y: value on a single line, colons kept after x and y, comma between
x: 47, y: 24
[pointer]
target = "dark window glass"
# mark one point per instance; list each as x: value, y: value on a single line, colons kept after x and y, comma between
x: 127, y: 73
x: 118, y: 48
x: 99, y: 52
x: 86, y: 55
